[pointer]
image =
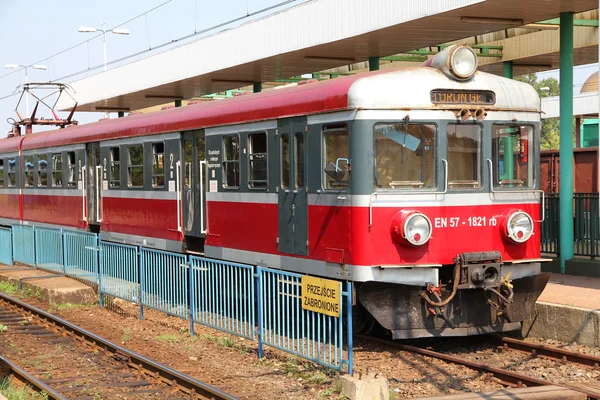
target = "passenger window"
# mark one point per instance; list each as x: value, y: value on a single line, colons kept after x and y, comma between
x: 71, y: 169
x: 135, y: 168
x: 335, y: 147
x: 285, y: 161
x: 57, y: 171
x: 188, y: 148
x: 29, y: 171
x: 299, y: 159
x: 158, y: 165
x: 464, y: 156
x: 42, y: 170
x: 115, y: 167
x: 405, y: 156
x: 12, y: 172
x: 231, y: 161
x: 257, y: 160
x: 1, y: 172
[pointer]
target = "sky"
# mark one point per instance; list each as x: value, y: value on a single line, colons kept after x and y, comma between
x: 34, y: 31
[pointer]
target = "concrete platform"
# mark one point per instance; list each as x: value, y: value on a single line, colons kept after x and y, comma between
x: 568, y: 310
x: 47, y: 286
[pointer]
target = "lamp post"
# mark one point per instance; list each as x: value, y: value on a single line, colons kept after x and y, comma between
x: 36, y: 66
x: 115, y: 31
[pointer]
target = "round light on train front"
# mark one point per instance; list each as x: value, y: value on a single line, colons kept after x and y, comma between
x: 463, y: 62
x: 519, y: 227
x: 417, y: 229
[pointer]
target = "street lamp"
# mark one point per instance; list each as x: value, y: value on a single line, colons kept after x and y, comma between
x: 116, y: 31
x: 35, y: 66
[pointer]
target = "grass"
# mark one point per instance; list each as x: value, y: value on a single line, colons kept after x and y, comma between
x: 223, y: 342
x: 14, y: 392
x: 66, y: 306
x: 126, y: 335
x: 8, y: 288
x: 168, y: 338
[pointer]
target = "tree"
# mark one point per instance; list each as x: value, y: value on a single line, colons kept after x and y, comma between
x: 550, y: 134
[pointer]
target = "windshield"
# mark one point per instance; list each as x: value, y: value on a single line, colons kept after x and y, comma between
x: 405, y: 155
x: 464, y: 156
x: 512, y: 156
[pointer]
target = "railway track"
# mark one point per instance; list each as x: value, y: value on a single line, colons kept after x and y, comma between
x: 65, y: 361
x: 506, y: 377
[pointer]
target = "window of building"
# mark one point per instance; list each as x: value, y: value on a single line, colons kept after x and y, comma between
x: 512, y: 156
x: 42, y: 170
x: 405, y: 156
x: 135, y: 168
x: 158, y: 165
x: 335, y: 147
x: 1, y: 172
x: 464, y: 156
x: 71, y: 169
x: 231, y: 161
x: 12, y: 172
x: 115, y: 167
x: 257, y: 160
x: 57, y: 171
x: 29, y: 171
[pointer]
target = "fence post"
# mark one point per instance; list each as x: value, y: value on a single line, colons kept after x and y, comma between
x: 35, y: 264
x: 191, y: 288
x: 349, y: 324
x: 259, y: 310
x: 100, y: 273
x: 141, y: 291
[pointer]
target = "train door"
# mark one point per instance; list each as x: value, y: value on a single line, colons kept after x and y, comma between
x: 93, y: 183
x: 293, y: 194
x: 194, y: 183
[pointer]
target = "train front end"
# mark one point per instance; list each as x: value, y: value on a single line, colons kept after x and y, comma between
x: 444, y: 164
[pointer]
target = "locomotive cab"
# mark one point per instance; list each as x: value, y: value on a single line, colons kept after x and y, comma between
x: 444, y: 162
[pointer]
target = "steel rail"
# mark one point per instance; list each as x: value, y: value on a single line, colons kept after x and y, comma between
x: 185, y: 383
x: 507, y: 377
x: 553, y: 353
x: 26, y: 377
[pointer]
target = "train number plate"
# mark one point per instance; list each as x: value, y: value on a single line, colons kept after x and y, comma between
x: 475, y: 97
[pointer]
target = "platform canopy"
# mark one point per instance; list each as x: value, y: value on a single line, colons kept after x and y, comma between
x: 312, y: 36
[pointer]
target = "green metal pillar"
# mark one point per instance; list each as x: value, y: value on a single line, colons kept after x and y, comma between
x: 177, y: 103
x: 257, y: 87
x: 373, y: 63
x: 566, y: 139
x: 509, y: 157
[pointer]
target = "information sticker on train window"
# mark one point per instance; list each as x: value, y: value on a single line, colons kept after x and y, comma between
x: 474, y: 97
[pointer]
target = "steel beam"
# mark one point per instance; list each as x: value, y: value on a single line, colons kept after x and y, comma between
x: 566, y: 139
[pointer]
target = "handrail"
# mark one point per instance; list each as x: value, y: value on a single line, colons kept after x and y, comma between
x: 83, y: 213
x: 491, y: 169
x: 98, y: 188
x: 178, y: 191
x: 445, y: 162
x: 202, y: 195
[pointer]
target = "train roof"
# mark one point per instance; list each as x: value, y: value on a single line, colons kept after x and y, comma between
x: 386, y: 89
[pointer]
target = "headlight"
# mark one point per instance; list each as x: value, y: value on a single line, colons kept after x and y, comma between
x: 519, y: 227
x: 463, y: 62
x: 417, y: 229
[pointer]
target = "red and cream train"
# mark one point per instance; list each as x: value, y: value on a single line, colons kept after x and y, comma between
x: 420, y: 185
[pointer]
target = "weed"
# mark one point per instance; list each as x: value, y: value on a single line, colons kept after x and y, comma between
x: 58, y: 347
x: 264, y: 362
x: 227, y: 342
x: 66, y: 306
x: 3, y: 328
x: 23, y: 322
x: 168, y: 338
x: 47, y: 375
x: 8, y: 288
x: 19, y: 392
x: 126, y: 335
x: 392, y: 393
x: 326, y: 393
x: 318, y: 378
x: 184, y: 331
x: 337, y: 386
x: 291, y: 367
x: 211, y: 338
x: 38, y: 293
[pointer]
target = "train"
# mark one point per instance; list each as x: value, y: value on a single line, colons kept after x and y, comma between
x: 420, y: 185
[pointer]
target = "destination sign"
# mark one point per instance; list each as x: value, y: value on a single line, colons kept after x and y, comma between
x: 476, y: 97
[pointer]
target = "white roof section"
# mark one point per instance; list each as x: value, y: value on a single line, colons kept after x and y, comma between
x: 312, y: 36
x: 584, y: 104
x: 410, y: 89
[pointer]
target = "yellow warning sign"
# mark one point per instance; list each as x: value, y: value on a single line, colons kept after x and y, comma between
x: 321, y: 295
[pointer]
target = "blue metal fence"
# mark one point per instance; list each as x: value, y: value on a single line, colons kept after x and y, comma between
x: 81, y: 255
x: 24, y: 244
x: 6, y: 250
x: 164, y: 282
x: 285, y: 325
x: 49, y: 249
x: 119, y: 271
x: 223, y: 295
